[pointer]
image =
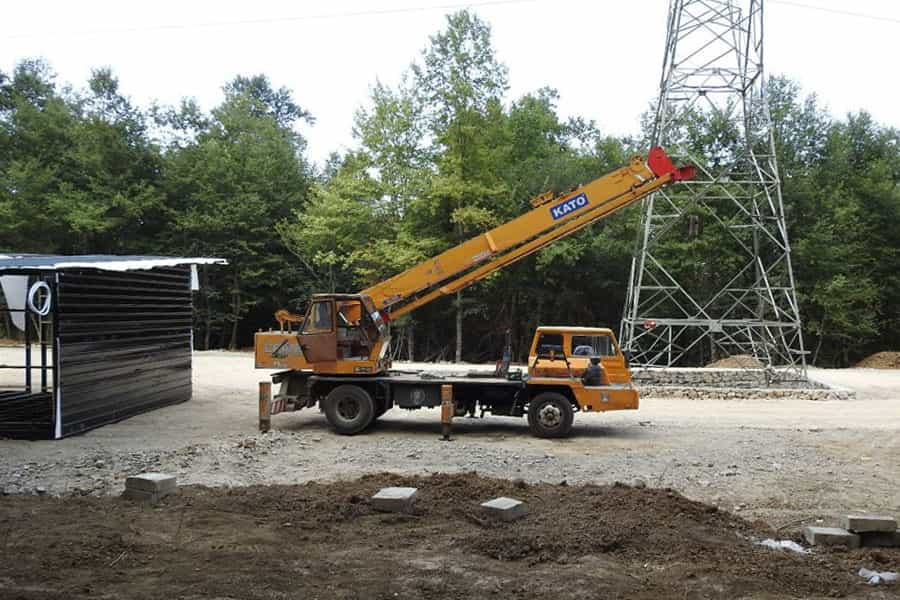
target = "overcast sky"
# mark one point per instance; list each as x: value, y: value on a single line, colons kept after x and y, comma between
x: 604, y: 56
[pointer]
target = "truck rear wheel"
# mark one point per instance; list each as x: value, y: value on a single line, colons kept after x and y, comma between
x: 349, y: 409
x: 550, y: 415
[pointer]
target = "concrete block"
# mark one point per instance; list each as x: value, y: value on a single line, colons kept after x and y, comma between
x: 151, y: 482
x: 831, y: 536
x: 867, y: 523
x: 880, y: 539
x: 395, y: 499
x: 149, y: 487
x: 504, y: 509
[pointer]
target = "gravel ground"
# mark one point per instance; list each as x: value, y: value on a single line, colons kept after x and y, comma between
x: 785, y: 462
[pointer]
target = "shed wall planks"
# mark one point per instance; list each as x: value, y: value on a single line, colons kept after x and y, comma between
x: 125, y: 343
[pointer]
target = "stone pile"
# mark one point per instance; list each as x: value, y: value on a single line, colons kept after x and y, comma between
x: 728, y: 384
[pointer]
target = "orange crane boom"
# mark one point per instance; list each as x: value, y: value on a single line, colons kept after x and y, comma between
x: 552, y: 218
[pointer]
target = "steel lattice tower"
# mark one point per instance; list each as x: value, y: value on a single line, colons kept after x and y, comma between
x: 711, y: 274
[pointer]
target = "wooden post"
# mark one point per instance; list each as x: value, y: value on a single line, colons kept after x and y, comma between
x: 265, y: 406
x: 446, y: 411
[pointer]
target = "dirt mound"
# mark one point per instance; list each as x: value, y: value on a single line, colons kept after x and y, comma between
x: 325, y: 541
x: 880, y: 360
x: 738, y: 361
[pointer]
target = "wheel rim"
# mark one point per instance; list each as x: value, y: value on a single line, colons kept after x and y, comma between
x: 348, y: 408
x: 549, y: 416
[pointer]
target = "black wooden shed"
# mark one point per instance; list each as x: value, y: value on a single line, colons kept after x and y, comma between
x: 106, y: 337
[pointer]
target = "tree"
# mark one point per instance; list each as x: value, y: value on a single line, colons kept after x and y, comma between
x: 226, y: 191
x: 392, y: 134
x: 460, y: 86
x: 267, y: 101
x: 79, y: 173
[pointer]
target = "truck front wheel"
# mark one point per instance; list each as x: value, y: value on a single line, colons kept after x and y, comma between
x: 349, y: 409
x: 550, y: 415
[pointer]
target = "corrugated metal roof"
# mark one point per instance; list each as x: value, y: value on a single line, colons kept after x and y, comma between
x: 105, y: 262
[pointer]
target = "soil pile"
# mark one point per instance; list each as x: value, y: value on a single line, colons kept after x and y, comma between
x: 738, y: 361
x: 325, y: 541
x: 880, y: 360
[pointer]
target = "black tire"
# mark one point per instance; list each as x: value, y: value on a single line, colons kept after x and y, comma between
x: 550, y: 415
x: 349, y: 409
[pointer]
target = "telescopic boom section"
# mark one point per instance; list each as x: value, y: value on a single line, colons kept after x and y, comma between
x: 552, y: 218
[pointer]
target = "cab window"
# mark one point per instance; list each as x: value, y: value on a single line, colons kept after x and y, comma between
x: 320, y: 318
x: 593, y: 345
x: 550, y: 342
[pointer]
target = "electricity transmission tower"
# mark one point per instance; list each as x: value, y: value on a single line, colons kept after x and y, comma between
x: 711, y: 274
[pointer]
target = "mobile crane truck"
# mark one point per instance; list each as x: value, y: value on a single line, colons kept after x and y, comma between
x: 338, y: 357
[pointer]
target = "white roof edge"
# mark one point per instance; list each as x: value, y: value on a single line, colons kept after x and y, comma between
x: 127, y: 265
x: 134, y: 265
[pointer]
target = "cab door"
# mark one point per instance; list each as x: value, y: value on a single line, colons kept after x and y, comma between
x: 613, y: 360
x: 598, y: 344
x: 318, y: 340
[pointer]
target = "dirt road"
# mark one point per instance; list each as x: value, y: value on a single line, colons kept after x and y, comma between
x: 783, y: 461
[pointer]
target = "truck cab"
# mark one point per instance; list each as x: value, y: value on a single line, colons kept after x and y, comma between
x: 566, y: 352
x: 557, y: 363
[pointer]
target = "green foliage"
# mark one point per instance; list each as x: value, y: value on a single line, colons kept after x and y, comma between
x: 226, y: 191
x: 77, y: 172
x: 846, y: 229
x: 441, y: 157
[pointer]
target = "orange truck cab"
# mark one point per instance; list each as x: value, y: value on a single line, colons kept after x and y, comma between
x: 560, y: 356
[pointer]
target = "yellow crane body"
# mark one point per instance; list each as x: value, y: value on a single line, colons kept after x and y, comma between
x: 338, y: 356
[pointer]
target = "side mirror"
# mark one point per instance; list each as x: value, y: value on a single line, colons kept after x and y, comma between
x: 627, y: 355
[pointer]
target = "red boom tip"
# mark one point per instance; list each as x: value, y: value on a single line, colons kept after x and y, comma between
x: 660, y: 163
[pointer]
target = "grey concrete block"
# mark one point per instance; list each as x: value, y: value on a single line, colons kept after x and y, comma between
x: 504, y: 509
x: 149, y: 487
x: 395, y: 499
x: 831, y: 536
x: 867, y: 523
x: 159, y: 483
x: 880, y: 539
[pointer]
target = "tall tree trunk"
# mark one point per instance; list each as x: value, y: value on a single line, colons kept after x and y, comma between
x: 235, y: 310
x: 815, y: 357
x: 459, y: 316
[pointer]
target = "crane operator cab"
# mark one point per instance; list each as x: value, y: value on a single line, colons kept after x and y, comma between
x: 341, y: 334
